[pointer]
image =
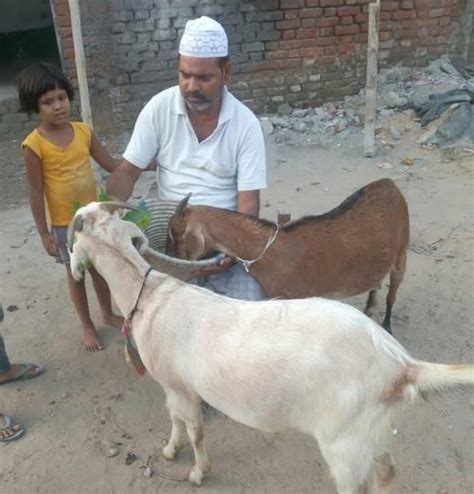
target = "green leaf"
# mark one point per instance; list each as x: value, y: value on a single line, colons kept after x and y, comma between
x: 75, y: 205
x: 102, y: 195
x: 141, y: 218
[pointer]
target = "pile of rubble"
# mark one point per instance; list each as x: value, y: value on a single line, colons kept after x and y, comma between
x: 400, y: 90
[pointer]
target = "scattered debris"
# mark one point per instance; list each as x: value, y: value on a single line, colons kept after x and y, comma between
x: 131, y: 457
x: 12, y: 308
x: 385, y: 165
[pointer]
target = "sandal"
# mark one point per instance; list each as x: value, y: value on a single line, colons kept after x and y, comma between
x: 25, y: 371
x: 9, y: 431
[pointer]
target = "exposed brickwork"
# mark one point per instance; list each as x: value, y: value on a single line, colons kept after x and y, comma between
x: 301, y: 52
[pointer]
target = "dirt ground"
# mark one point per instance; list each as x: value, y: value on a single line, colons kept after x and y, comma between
x: 84, y: 401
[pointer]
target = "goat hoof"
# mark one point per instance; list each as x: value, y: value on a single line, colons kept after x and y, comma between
x: 195, y: 476
x: 170, y: 452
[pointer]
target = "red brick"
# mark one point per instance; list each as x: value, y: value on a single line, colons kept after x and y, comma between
x: 330, y: 50
x: 331, y: 3
x: 346, y: 20
x: 326, y: 31
x: 291, y: 14
x: 330, y: 11
x: 272, y: 45
x: 439, y: 12
x: 403, y: 14
x: 288, y: 34
x: 346, y: 49
x: 308, y: 22
x: 361, y: 18
x: 364, y: 27
x: 69, y: 53
x: 385, y: 35
x: 360, y: 38
x: 62, y: 21
x: 291, y: 4
x: 294, y: 53
x: 288, y: 24
x: 296, y: 43
x: 327, y: 21
x: 353, y: 29
x: 275, y: 54
x: 327, y: 60
x: 67, y: 43
x: 408, y: 4
x: 329, y: 40
x: 312, y: 3
x: 389, y: 6
x: 346, y: 39
x: 311, y: 13
x: 65, y: 32
x: 61, y: 9
x: 348, y: 11
x: 310, y: 32
x: 312, y: 51
x: 445, y: 21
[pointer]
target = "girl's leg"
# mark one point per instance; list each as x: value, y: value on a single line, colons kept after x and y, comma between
x: 77, y: 290
x: 105, y: 302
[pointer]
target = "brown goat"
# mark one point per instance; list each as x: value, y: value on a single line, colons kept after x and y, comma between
x: 344, y: 252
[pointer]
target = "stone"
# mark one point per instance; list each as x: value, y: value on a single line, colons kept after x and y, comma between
x: 267, y: 126
x: 284, y: 109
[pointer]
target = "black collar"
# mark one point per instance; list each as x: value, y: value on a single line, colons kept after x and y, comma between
x: 132, y: 313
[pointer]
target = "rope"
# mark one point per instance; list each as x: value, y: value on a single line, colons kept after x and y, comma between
x: 247, y: 263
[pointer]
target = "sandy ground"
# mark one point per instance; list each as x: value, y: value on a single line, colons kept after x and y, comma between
x: 85, y: 400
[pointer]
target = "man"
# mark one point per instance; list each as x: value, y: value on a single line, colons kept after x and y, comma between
x: 9, y: 430
x: 205, y: 142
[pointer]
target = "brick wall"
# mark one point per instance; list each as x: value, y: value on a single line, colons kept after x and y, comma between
x: 298, y: 52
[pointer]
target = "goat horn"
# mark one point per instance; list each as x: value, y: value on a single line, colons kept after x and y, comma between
x: 76, y: 226
x: 182, y: 205
x: 111, y: 207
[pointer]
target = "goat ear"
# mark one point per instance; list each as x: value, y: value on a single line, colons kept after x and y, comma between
x: 182, y: 205
x: 194, y: 243
x: 76, y: 226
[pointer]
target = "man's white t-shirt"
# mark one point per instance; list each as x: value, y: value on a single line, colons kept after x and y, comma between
x: 231, y: 159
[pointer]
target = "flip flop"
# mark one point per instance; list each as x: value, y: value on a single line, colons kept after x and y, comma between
x: 26, y: 371
x: 8, y: 432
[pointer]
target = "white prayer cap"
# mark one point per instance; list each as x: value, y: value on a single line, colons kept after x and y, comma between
x: 203, y: 38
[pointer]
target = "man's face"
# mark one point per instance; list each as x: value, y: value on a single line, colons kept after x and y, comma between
x: 201, y: 81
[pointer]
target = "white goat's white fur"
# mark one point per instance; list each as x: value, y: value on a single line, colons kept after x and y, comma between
x: 316, y: 366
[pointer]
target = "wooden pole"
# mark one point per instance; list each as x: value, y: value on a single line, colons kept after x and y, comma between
x: 371, y: 83
x: 80, y: 59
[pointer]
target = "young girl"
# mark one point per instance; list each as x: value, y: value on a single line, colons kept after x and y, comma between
x: 59, y: 174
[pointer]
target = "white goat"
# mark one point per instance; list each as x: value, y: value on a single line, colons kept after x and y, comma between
x: 315, y: 366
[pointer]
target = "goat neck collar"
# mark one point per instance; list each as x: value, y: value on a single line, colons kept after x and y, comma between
x: 247, y: 263
x: 135, y: 307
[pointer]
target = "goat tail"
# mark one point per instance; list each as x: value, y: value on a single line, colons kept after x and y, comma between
x: 435, y: 378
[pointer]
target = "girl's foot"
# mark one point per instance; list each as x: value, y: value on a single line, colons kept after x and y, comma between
x: 91, y: 339
x: 112, y: 320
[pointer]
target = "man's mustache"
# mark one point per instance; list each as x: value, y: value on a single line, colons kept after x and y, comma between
x: 197, y: 95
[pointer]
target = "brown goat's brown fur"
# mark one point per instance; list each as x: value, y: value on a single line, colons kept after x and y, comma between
x: 344, y: 252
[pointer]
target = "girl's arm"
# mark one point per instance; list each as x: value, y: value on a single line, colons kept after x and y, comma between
x: 34, y: 178
x: 102, y: 156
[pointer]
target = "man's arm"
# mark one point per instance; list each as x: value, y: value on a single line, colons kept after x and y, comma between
x: 121, y: 181
x: 248, y: 202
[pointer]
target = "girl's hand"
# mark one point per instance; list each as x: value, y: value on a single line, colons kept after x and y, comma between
x: 49, y: 244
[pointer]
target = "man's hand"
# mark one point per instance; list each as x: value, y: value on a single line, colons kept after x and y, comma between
x: 223, y: 265
x: 49, y: 244
x: 122, y: 179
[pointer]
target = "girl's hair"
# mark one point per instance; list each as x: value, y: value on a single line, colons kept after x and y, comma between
x: 38, y: 79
